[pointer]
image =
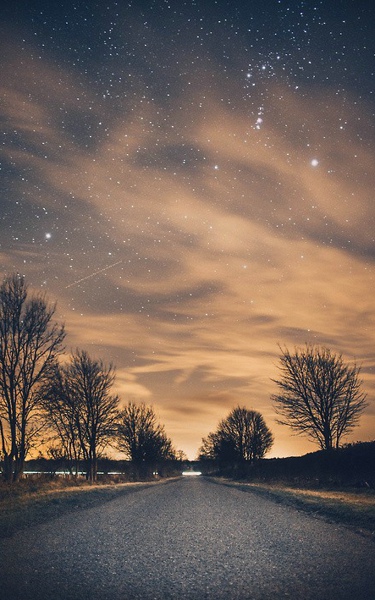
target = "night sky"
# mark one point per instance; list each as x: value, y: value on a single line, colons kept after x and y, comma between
x: 193, y: 183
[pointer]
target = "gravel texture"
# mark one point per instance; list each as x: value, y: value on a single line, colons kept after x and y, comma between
x: 187, y: 539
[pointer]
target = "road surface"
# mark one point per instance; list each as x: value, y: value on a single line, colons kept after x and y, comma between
x: 189, y: 539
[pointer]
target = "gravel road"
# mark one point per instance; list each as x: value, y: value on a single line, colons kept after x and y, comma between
x: 187, y: 539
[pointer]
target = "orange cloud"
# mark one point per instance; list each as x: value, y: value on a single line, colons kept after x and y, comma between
x: 224, y: 242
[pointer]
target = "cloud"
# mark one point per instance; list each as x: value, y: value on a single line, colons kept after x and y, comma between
x: 184, y: 251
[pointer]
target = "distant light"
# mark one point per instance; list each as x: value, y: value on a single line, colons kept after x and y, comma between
x: 190, y: 473
x: 48, y: 236
x: 314, y: 162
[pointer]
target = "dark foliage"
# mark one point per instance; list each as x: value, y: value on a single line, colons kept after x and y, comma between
x: 143, y: 440
x: 352, y: 465
x: 241, y: 437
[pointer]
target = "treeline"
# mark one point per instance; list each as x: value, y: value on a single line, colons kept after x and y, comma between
x: 66, y: 405
x: 108, y: 469
x: 352, y: 465
x: 86, y: 419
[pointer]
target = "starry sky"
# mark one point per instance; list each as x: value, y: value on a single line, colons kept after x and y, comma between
x: 193, y: 183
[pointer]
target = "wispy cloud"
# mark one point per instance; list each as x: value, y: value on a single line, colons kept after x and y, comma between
x: 185, y: 259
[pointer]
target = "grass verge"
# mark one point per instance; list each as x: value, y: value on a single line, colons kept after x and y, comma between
x: 354, y: 509
x: 24, y: 505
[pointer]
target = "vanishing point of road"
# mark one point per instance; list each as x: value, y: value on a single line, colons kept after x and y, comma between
x: 187, y: 539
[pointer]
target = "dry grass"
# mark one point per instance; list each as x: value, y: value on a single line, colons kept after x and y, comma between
x: 354, y: 509
x: 359, y: 498
x: 34, y: 501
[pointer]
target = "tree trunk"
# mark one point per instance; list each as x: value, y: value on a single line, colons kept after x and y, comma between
x: 19, y: 465
x: 8, y: 468
x: 91, y: 470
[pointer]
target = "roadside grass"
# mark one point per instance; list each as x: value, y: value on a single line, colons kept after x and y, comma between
x: 354, y: 509
x: 31, y: 502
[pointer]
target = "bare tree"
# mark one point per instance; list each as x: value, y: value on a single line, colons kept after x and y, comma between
x: 242, y: 436
x: 141, y: 438
x: 89, y: 382
x: 29, y: 345
x: 62, y: 412
x: 81, y: 409
x: 320, y: 396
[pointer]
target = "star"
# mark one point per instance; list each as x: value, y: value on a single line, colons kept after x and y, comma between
x: 116, y: 123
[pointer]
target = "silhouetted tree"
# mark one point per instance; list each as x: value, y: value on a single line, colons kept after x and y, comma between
x: 319, y: 395
x: 81, y: 409
x: 181, y: 456
x: 218, y: 449
x: 29, y: 345
x: 141, y: 438
x: 63, y: 416
x: 242, y: 437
